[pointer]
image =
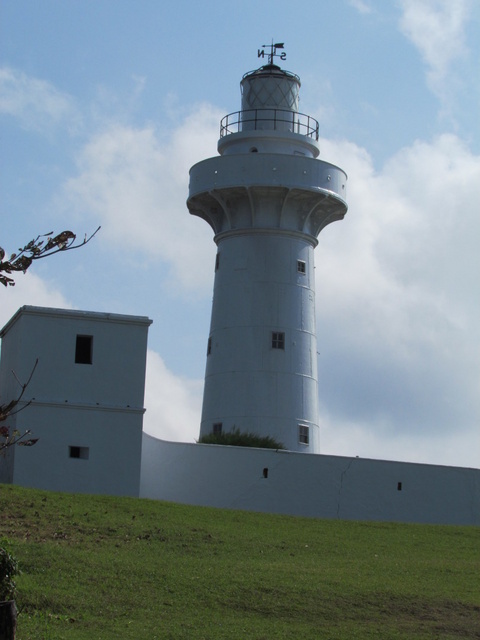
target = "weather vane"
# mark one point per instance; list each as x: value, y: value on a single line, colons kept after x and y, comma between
x: 273, y: 51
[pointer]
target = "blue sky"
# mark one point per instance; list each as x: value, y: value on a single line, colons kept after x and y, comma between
x: 106, y: 104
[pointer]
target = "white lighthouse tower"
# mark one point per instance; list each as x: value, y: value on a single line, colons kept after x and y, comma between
x: 267, y: 197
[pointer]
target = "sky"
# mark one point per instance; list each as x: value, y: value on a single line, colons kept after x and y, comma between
x: 106, y: 104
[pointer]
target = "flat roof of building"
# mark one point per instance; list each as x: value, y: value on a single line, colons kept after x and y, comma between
x: 98, y: 316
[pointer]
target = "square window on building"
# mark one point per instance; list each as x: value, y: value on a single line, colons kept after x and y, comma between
x: 303, y: 434
x: 301, y: 267
x: 209, y: 347
x: 278, y: 340
x: 84, y: 350
x: 217, y: 262
x: 217, y: 428
x: 80, y: 453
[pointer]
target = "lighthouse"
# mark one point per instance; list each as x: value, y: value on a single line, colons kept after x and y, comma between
x: 267, y: 196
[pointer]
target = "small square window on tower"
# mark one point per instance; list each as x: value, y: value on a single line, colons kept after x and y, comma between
x: 217, y: 262
x: 84, y: 350
x: 303, y: 434
x: 209, y: 347
x: 217, y: 428
x: 81, y: 453
x: 301, y: 267
x: 278, y: 340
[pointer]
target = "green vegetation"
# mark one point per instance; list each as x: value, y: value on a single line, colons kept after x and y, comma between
x: 237, y: 438
x: 8, y: 571
x: 100, y: 568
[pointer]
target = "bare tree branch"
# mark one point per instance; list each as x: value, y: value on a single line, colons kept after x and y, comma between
x: 37, y: 249
x: 10, y: 409
x: 15, y: 438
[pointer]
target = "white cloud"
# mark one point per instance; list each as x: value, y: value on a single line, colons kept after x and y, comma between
x: 398, y: 301
x: 35, y: 103
x: 136, y: 185
x: 357, y: 439
x: 32, y: 290
x: 361, y: 6
x: 437, y: 29
x: 173, y: 403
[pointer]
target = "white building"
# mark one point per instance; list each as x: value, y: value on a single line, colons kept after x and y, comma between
x: 88, y: 390
x: 266, y: 197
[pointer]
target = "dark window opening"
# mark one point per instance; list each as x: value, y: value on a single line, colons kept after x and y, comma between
x: 209, y: 347
x: 278, y: 340
x: 303, y: 434
x: 83, y: 350
x: 254, y: 150
x: 301, y: 266
x: 265, y: 472
x: 217, y: 262
x: 217, y: 428
x: 399, y: 486
x: 81, y: 453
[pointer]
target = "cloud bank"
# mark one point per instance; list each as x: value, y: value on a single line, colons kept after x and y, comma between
x: 437, y: 29
x: 398, y: 302
x: 173, y: 403
x: 36, y: 104
x: 136, y: 183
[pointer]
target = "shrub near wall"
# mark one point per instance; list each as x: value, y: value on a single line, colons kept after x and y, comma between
x: 236, y: 438
x: 8, y: 611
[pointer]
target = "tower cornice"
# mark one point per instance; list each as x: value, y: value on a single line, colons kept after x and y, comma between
x: 268, y: 191
x: 268, y: 169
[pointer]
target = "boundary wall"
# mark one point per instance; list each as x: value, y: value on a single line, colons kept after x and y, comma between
x: 298, y: 484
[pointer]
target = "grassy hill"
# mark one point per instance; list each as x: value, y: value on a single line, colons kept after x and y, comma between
x: 101, y: 568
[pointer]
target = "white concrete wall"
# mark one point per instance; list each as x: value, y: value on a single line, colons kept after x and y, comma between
x: 97, y: 406
x: 308, y: 485
x: 112, y: 437
x: 115, y: 377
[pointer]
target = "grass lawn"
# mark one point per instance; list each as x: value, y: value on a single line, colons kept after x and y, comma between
x: 101, y: 568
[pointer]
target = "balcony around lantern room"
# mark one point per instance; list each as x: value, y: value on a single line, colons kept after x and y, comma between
x: 269, y: 131
x: 268, y: 120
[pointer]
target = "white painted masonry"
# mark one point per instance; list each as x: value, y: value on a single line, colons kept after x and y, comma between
x: 317, y: 486
x: 88, y: 416
x: 266, y: 196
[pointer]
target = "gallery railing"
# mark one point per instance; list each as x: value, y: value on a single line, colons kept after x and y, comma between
x: 269, y: 120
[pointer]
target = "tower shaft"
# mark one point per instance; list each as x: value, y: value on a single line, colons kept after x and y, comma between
x: 261, y: 373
